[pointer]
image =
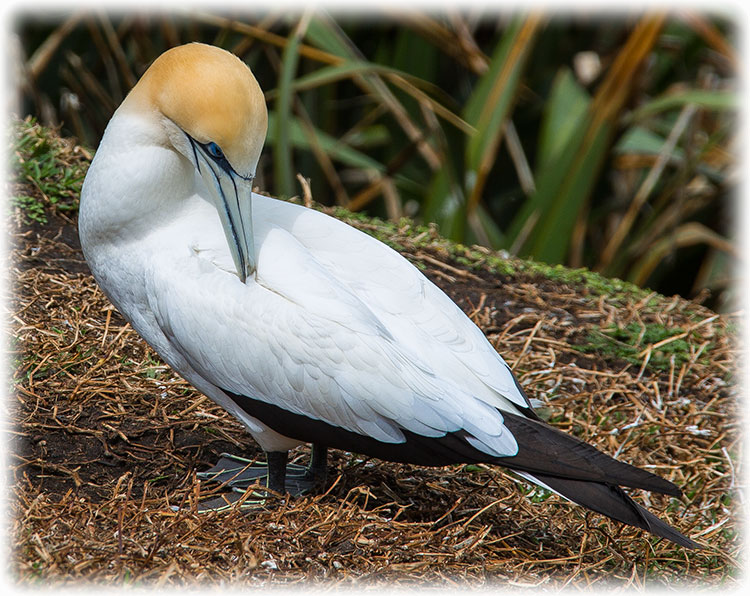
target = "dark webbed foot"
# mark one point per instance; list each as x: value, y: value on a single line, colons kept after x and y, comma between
x: 238, y: 472
x: 277, y: 475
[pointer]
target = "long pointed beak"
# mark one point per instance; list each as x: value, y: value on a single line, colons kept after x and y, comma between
x: 232, y: 196
x: 234, y: 203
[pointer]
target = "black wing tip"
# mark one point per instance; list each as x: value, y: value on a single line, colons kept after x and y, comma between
x: 677, y: 537
x: 613, y: 502
x: 665, y: 487
x: 546, y: 450
x: 662, y: 529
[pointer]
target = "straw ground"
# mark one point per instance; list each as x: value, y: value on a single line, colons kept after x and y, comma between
x: 106, y: 439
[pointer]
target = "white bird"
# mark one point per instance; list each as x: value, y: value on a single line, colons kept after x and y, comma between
x: 304, y: 328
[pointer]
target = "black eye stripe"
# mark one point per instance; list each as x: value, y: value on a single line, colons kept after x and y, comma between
x: 212, y: 150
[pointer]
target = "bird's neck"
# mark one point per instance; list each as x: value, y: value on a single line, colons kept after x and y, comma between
x: 134, y: 181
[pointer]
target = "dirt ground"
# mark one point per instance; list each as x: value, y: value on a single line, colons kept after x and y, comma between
x: 106, y: 439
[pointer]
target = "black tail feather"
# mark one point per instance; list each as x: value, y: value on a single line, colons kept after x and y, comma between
x: 542, y: 449
x: 565, y: 464
x: 614, y: 503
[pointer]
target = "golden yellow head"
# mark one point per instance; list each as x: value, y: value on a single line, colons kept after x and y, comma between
x: 211, y: 95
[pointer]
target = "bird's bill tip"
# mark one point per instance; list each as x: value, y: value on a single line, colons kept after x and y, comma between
x: 233, y: 196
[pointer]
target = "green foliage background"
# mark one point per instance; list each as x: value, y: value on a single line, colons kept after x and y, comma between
x: 596, y: 141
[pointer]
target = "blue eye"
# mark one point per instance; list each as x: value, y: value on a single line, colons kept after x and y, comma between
x: 215, y: 151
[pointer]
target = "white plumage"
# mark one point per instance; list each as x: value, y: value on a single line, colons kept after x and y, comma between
x: 299, y: 325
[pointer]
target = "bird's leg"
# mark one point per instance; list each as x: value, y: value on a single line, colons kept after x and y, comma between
x: 277, y: 461
x: 318, y: 469
x: 278, y: 475
x: 242, y: 475
x: 240, y: 472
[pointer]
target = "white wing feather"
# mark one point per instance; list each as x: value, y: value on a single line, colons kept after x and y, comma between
x: 304, y: 340
x: 417, y: 312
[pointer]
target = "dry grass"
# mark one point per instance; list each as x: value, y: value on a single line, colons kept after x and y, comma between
x: 106, y: 439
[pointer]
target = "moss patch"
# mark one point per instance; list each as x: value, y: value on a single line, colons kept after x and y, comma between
x: 51, y: 170
x: 664, y: 347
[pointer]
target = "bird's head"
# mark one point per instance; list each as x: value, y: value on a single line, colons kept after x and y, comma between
x: 213, y: 112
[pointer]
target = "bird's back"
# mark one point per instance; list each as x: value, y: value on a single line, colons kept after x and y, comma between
x: 418, y: 314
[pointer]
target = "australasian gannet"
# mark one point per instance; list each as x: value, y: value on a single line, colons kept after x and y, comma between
x: 304, y: 328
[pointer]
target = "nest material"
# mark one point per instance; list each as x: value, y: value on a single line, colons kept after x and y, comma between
x: 107, y: 438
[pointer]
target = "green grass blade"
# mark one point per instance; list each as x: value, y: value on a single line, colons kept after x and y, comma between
x: 643, y: 141
x: 483, y: 229
x: 335, y: 149
x: 563, y: 189
x: 688, y: 234
x: 638, y: 140
x: 491, y: 102
x: 323, y: 33
x: 485, y: 112
x: 708, y: 99
x: 563, y: 114
x: 561, y: 192
x: 282, y: 151
x: 330, y: 37
x: 410, y: 84
x: 445, y: 204
x: 332, y: 74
